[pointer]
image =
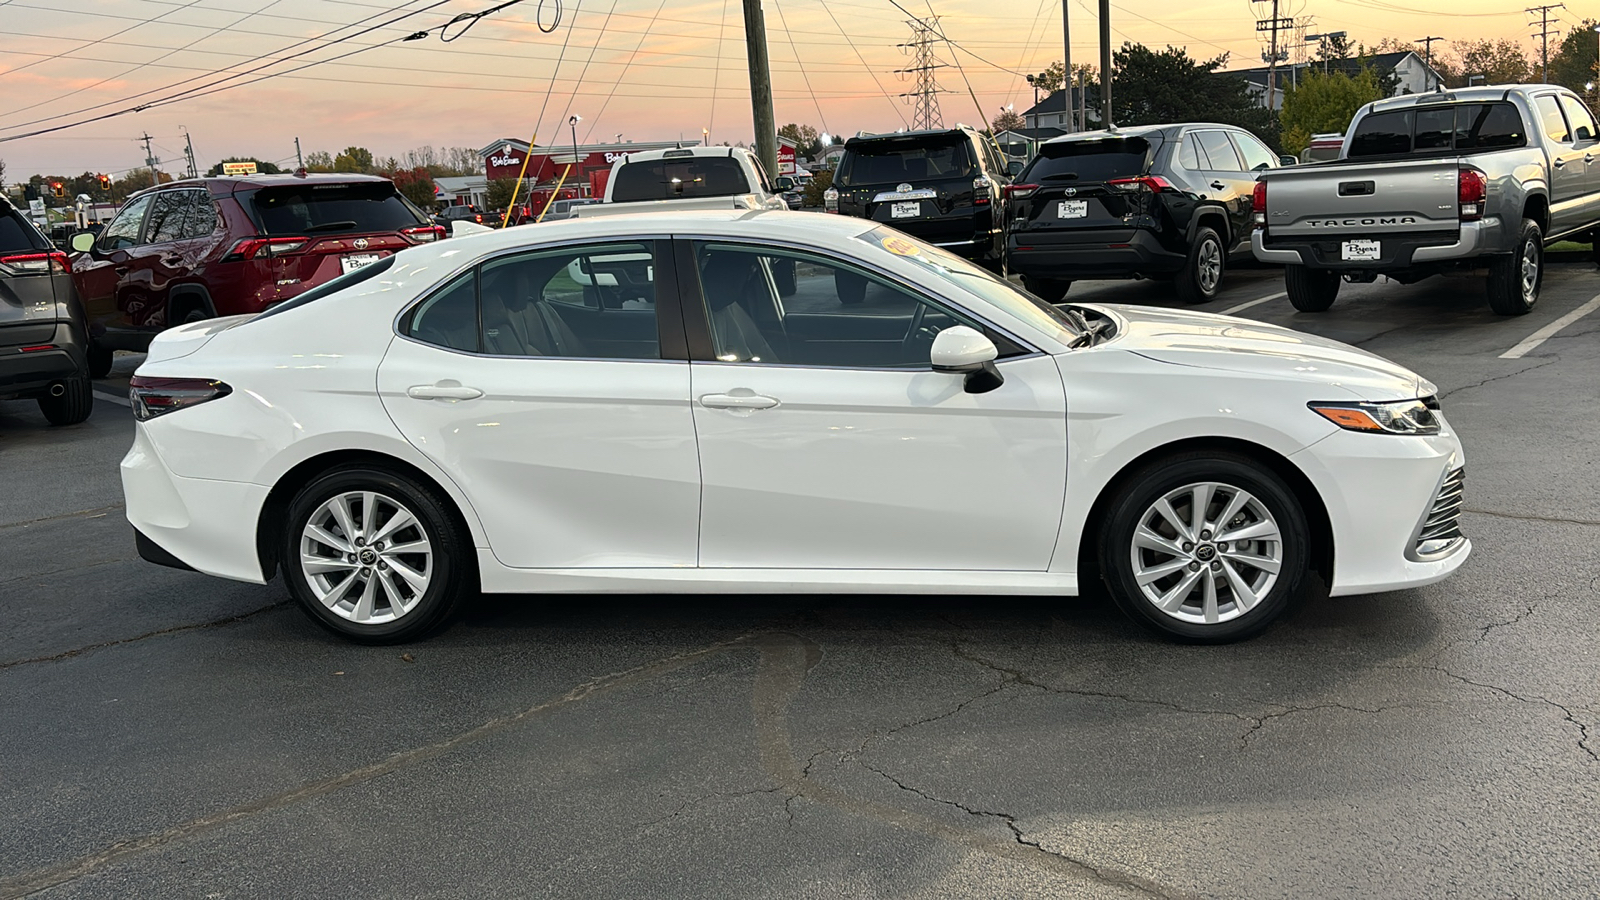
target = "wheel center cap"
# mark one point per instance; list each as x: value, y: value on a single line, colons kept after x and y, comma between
x: 1205, y: 552
x: 368, y: 557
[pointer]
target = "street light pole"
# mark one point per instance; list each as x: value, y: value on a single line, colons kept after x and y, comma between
x: 574, y: 123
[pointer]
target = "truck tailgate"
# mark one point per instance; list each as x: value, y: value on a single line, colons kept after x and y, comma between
x: 1362, y: 198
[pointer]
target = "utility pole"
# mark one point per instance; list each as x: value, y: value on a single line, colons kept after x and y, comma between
x: 150, y: 159
x: 300, y: 161
x: 1273, y: 25
x: 1066, y: 66
x: 926, y: 95
x: 188, y: 153
x: 1543, y: 34
x: 755, y: 41
x: 1427, y: 51
x: 1105, y: 64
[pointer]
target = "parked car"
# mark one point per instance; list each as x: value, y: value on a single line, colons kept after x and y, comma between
x: 1322, y: 148
x: 1471, y: 179
x: 669, y: 423
x: 686, y: 178
x: 789, y: 189
x: 567, y: 209
x: 1156, y: 201
x: 44, y: 335
x: 206, y: 247
x: 449, y: 215
x: 942, y: 186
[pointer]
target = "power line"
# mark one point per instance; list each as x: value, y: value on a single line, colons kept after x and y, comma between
x: 847, y: 40
x: 807, y: 78
x: 618, y: 80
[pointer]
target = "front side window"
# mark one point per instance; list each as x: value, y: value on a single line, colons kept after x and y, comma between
x: 768, y: 305
x: 123, y: 232
x: 1256, y: 155
x: 1583, y: 126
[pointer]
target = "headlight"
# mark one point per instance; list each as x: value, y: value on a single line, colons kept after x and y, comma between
x: 1399, y: 417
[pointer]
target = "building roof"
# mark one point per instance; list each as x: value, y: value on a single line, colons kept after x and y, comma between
x: 1381, y: 62
x: 456, y: 184
x: 1056, y: 103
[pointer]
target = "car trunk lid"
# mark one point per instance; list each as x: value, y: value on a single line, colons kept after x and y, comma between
x: 1085, y: 185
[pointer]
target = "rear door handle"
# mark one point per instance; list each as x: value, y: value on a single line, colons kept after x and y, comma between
x: 442, y: 392
x: 741, y: 399
x: 120, y: 270
x: 1218, y: 185
x: 1560, y: 163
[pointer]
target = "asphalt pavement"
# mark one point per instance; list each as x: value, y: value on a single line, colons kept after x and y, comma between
x: 165, y: 734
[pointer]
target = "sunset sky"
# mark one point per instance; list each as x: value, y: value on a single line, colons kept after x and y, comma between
x: 62, y: 62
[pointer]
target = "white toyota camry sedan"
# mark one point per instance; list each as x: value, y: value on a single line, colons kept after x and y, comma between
x: 774, y: 402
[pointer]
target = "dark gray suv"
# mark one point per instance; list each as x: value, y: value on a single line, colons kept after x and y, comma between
x: 43, y: 333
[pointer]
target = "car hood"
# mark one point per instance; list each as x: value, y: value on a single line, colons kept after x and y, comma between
x: 1225, y: 343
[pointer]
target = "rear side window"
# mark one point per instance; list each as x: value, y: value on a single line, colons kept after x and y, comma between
x: 1256, y: 154
x: 1459, y: 127
x: 1089, y: 161
x: 17, y: 233
x: 893, y: 162
x: 180, y: 215
x: 677, y: 179
x: 1550, y: 120
x: 450, y: 317
x: 354, y: 207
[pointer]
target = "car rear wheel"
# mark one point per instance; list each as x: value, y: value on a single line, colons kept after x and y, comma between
x: 374, y: 556
x: 1205, y: 547
x: 100, y: 359
x: 1050, y: 290
x: 1514, y: 280
x: 1311, y: 290
x: 1201, y: 277
x: 72, y: 405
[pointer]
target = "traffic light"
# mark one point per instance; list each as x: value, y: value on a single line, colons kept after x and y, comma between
x: 105, y: 182
x: 57, y: 188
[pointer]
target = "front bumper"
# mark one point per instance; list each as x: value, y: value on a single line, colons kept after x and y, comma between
x: 1379, y: 491
x: 1398, y: 251
x: 200, y: 523
x: 1110, y: 253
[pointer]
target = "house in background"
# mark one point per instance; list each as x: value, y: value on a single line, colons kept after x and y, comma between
x: 464, y: 190
x: 1412, y: 75
x: 1051, y: 112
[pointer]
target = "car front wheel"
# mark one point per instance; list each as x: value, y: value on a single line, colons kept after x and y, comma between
x: 1206, y: 548
x: 375, y: 556
x: 1201, y: 277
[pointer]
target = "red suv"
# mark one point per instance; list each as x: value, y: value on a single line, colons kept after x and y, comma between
x: 207, y: 247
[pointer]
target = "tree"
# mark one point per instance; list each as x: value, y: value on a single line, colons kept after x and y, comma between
x: 319, y: 161
x: 807, y: 140
x: 1324, y: 103
x: 1049, y: 80
x: 1153, y: 87
x: 812, y: 195
x: 499, y: 194
x: 2, y: 172
x: 353, y: 159
x: 1499, y: 61
x: 264, y: 168
x: 1008, y: 120
x: 416, y: 184
x: 1573, y: 65
x: 1333, y: 48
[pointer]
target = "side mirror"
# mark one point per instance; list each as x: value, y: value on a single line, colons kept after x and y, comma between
x: 783, y: 183
x: 1014, y: 168
x: 1287, y: 160
x: 964, y: 351
x: 82, y: 241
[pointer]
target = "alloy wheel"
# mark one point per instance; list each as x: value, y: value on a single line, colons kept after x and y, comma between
x: 1210, y: 265
x: 1530, y: 270
x: 366, y: 557
x: 1206, y: 553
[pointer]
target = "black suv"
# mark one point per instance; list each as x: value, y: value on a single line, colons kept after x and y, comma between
x: 1157, y: 201
x: 43, y: 332
x: 941, y: 186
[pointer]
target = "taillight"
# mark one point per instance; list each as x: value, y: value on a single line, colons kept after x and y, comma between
x: 254, y: 248
x: 1258, y: 205
x: 830, y: 200
x: 54, y: 262
x: 425, y: 233
x: 1472, y: 188
x: 1019, y: 191
x: 980, y: 190
x: 1155, y: 184
x: 153, y: 397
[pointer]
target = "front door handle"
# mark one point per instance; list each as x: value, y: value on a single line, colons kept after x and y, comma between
x: 1560, y: 163
x: 1218, y: 185
x: 120, y: 270
x: 442, y: 392
x: 741, y: 398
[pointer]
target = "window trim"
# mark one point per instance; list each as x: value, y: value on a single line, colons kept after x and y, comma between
x: 697, y: 322
x: 671, y: 340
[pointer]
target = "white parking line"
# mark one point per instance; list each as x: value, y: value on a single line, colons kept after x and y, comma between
x: 114, y: 398
x: 1243, y: 306
x: 1549, y: 331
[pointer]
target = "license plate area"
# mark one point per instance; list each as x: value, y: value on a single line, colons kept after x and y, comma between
x: 906, y: 209
x: 354, y: 261
x: 1360, y: 251
x: 1072, y: 209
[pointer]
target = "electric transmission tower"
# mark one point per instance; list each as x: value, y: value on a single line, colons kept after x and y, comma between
x: 925, y: 97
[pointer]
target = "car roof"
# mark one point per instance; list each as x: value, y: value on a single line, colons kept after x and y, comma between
x: 680, y: 153
x: 1139, y: 131
x: 226, y: 184
x: 1480, y: 94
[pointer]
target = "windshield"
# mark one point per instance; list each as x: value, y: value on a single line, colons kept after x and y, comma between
x: 1088, y: 161
x: 679, y: 178
x: 957, y: 271
x: 311, y: 208
x: 892, y: 161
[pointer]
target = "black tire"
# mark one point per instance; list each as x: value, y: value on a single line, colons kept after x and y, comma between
x: 100, y: 359
x: 1311, y: 290
x: 451, y: 569
x: 1273, y: 503
x: 73, y: 406
x: 852, y: 288
x: 783, y: 273
x: 1050, y: 290
x: 1509, y: 292
x: 1201, y: 278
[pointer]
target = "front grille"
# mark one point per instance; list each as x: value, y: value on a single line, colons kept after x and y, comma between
x: 1441, y: 528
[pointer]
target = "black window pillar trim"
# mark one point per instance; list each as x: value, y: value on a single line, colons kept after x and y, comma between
x: 672, y: 302
x: 690, y: 302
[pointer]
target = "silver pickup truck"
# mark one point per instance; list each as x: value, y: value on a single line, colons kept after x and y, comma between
x: 1475, y: 180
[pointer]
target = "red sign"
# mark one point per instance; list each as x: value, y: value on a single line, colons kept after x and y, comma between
x: 785, y: 159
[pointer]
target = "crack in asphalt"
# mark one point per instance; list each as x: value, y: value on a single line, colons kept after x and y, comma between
x: 1583, y: 730
x: 93, y: 565
x: 160, y: 632
x: 1262, y: 720
x: 99, y: 511
x: 1526, y: 517
x: 696, y: 801
x: 1548, y: 360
